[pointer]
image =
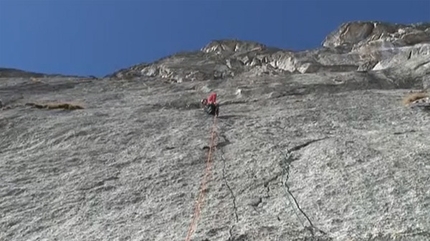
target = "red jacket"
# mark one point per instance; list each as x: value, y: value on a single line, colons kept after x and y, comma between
x: 211, y: 99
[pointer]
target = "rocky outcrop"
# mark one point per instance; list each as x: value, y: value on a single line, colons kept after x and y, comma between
x: 382, y: 43
x: 13, y: 73
x: 359, y: 34
x: 17, y: 73
x: 354, y: 46
x: 229, y: 46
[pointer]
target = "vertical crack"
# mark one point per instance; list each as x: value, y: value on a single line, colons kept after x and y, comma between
x: 236, y: 216
x: 230, y: 233
x: 285, y: 165
x: 229, y: 188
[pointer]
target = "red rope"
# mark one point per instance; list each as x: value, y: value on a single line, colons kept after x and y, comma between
x: 199, y: 203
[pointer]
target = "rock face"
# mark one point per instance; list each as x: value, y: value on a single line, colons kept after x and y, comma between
x: 16, y: 73
x: 355, y: 46
x: 13, y: 73
x: 311, y: 145
x: 365, y: 33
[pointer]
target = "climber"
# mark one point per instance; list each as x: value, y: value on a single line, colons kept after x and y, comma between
x: 210, y: 105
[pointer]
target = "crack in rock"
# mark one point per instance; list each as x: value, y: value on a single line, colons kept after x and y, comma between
x: 285, y: 165
x: 301, y: 146
x: 230, y: 233
x: 229, y: 188
x: 404, y: 132
x: 236, y: 216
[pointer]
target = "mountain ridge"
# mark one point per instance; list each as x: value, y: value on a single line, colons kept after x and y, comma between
x: 353, y: 46
x: 348, y: 37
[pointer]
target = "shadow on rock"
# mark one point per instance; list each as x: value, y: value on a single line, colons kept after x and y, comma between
x: 225, y: 117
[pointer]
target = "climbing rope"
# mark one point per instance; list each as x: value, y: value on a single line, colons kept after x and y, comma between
x: 200, y: 199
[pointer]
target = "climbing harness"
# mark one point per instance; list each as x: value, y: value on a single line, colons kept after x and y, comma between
x: 203, y: 190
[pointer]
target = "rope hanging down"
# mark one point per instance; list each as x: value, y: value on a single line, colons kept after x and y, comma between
x: 199, y: 202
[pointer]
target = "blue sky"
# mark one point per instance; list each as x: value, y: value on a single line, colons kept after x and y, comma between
x: 97, y: 37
